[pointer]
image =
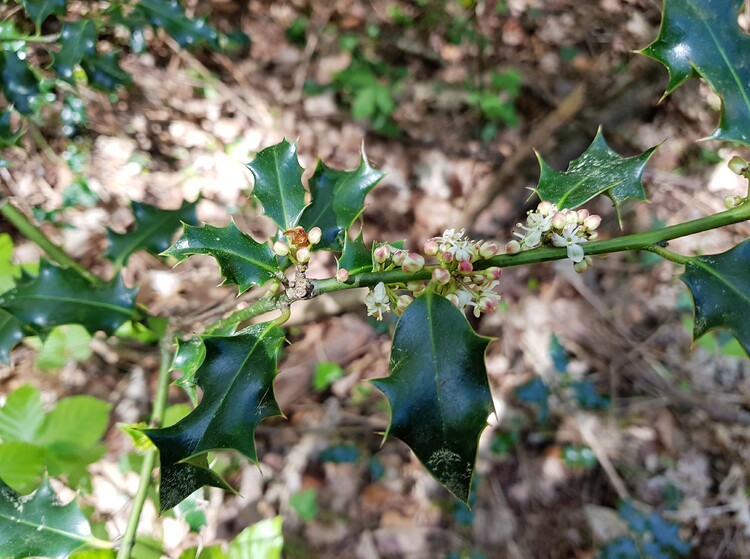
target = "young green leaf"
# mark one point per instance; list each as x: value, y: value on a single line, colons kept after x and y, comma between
x: 438, y: 390
x: 103, y: 71
x: 21, y: 465
x: 243, y: 261
x: 20, y: 85
x: 153, y: 231
x: 262, y: 540
x: 22, y: 415
x: 38, y: 526
x: 69, y: 342
x: 170, y: 16
x: 61, y: 296
x: 77, y: 39
x: 237, y: 381
x: 278, y: 183
x: 720, y: 285
x: 39, y: 10
x: 599, y: 170
x: 703, y: 38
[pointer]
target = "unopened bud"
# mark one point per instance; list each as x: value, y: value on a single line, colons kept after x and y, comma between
x: 582, y: 214
x: 512, y: 247
x: 732, y: 202
x: 281, y: 248
x: 413, y: 263
x: 465, y: 267
x: 738, y: 165
x: 342, y: 275
x: 314, y: 235
x: 303, y: 255
x: 488, y: 249
x: 494, y: 273
x: 403, y: 302
x: 478, y: 278
x: 593, y: 235
x: 571, y: 217
x: 441, y: 276
x: 486, y: 305
x: 581, y: 266
x: 453, y: 298
x: 544, y: 208
x: 446, y: 257
x: 381, y: 254
x: 558, y: 220
x: 431, y: 247
x: 415, y: 286
x: 592, y: 222
x: 399, y: 256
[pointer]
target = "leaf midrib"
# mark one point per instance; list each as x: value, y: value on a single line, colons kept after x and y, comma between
x: 88, y: 302
x: 435, y: 365
x: 45, y: 527
x: 705, y: 267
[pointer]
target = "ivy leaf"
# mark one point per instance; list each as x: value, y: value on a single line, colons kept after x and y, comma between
x: 20, y: 85
x: 438, y: 390
x: 61, y: 296
x: 153, y: 231
x: 599, y: 170
x: 8, y: 137
x: 356, y: 258
x: 699, y: 37
x: 37, y: 525
x: 278, y: 183
x: 103, y: 71
x: 77, y: 39
x: 39, y: 10
x: 171, y: 17
x: 11, y: 334
x: 237, y: 381
x: 242, y: 260
x: 720, y: 285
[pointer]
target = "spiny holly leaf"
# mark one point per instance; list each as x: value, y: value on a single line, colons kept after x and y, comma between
x: 188, y: 358
x: 237, y: 381
x: 702, y: 37
x: 170, y: 16
x: 20, y: 85
x: 8, y: 137
x: 438, y: 390
x: 103, y: 71
x: 278, y: 183
x: 338, y: 198
x: 77, y: 39
x: 153, y: 230
x: 356, y: 258
x: 61, y: 296
x: 599, y: 170
x: 38, y: 526
x: 720, y: 285
x: 11, y: 334
x: 39, y: 10
x: 243, y: 261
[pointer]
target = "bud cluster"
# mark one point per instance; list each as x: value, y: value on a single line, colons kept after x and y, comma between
x: 548, y: 226
x: 297, y: 244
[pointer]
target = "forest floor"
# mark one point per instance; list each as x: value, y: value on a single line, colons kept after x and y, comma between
x: 672, y: 430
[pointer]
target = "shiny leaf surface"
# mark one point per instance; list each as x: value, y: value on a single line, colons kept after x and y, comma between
x: 356, y: 258
x: 39, y: 10
x: 77, y: 39
x: 103, y: 71
x: 11, y: 334
x: 20, y: 85
x: 169, y: 15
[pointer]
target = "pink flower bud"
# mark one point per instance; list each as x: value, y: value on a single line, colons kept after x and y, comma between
x: 478, y: 278
x: 446, y: 257
x: 453, y: 298
x: 403, y: 302
x: 314, y: 235
x: 558, y: 220
x: 488, y: 249
x: 415, y: 286
x: 441, y: 276
x: 592, y: 222
x: 486, y: 305
x: 571, y: 217
x: 512, y: 247
x: 738, y: 165
x: 582, y: 215
x: 381, y: 254
x: 398, y: 257
x: 303, y: 255
x: 342, y: 275
x: 494, y: 273
x: 544, y: 208
x: 281, y: 248
x: 413, y: 263
x: 465, y: 267
x: 431, y: 247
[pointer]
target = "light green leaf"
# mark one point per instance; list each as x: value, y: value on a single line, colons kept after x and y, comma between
x: 278, y: 183
x: 243, y: 261
x: 37, y: 525
x: 78, y: 420
x: 188, y: 358
x: 21, y: 465
x: 363, y: 106
x: 77, y: 39
x: 720, y: 285
x: 20, y: 85
x: 702, y: 37
x: 69, y: 342
x: 262, y: 540
x: 39, y: 10
x: 153, y: 230
x: 438, y: 390
x: 22, y: 415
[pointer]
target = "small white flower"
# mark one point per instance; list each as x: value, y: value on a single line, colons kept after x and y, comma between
x: 571, y: 240
x: 463, y: 251
x: 377, y: 301
x: 536, y: 225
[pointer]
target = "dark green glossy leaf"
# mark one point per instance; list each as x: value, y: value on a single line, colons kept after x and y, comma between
x: 77, y: 39
x: 37, y: 525
x: 8, y: 136
x: 61, y: 296
x: 278, y: 183
x: 11, y: 334
x: 351, y: 190
x: 103, y: 71
x: 169, y: 15
x: 39, y: 10
x: 720, y: 285
x: 702, y: 37
x: 599, y: 170
x: 243, y: 261
x: 237, y: 381
x: 153, y: 230
x: 188, y: 358
x: 356, y: 258
x: 20, y: 85
x: 438, y: 390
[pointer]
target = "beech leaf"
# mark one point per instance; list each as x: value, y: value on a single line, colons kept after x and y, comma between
x: 720, y: 285
x: 278, y: 183
x: 703, y: 38
x: 243, y: 261
x: 153, y: 230
x: 438, y: 390
x: 237, y: 380
x: 599, y: 170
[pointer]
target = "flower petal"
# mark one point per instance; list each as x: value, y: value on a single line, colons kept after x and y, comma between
x: 575, y: 252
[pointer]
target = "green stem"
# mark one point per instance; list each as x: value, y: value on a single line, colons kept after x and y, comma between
x: 149, y: 459
x: 34, y: 234
x: 669, y: 255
